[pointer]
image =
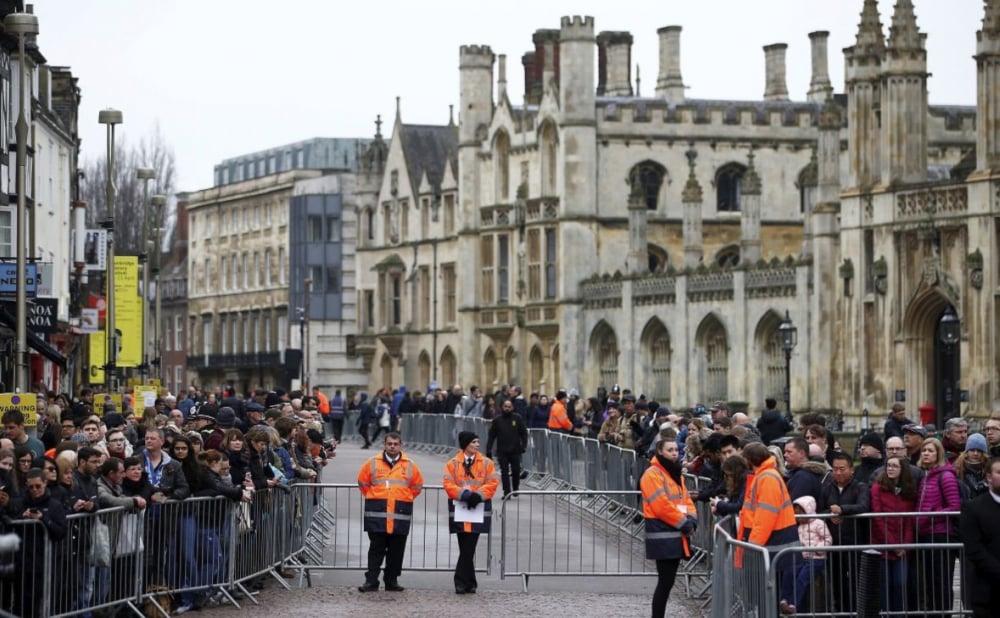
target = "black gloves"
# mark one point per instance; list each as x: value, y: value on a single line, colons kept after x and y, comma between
x: 689, y: 525
x: 473, y: 500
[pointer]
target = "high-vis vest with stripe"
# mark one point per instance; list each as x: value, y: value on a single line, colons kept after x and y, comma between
x: 558, y: 418
x: 665, y: 505
x: 767, y: 518
x: 389, y: 492
x: 483, y: 480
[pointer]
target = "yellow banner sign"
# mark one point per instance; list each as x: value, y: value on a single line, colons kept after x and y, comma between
x: 101, y: 398
x: 128, y: 311
x: 25, y: 402
x: 98, y: 352
x: 144, y: 397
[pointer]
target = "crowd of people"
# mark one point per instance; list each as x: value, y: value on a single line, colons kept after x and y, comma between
x: 87, y: 457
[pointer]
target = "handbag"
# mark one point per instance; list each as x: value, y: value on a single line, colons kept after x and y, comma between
x: 129, y: 536
x: 244, y: 524
x: 278, y: 474
x: 100, y: 544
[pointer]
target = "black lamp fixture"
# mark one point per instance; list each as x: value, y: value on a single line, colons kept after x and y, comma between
x: 789, y: 338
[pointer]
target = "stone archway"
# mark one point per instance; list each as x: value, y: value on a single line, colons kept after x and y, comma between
x: 926, y: 358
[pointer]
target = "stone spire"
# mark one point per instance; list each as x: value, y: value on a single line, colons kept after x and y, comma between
x: 870, y: 41
x: 637, y: 260
x: 903, y: 33
x: 987, y: 83
x: 750, y: 219
x: 863, y: 82
x: 904, y: 100
x: 691, y: 197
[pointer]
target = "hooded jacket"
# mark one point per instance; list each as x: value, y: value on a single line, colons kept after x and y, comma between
x: 936, y: 495
x: 812, y: 531
x: 806, y: 479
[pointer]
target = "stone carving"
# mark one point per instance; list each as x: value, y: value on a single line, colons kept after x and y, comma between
x: 975, y: 265
x: 924, y: 202
x: 769, y: 281
x: 880, y: 275
x: 708, y: 285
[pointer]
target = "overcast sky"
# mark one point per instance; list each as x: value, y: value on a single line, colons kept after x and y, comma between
x: 227, y: 77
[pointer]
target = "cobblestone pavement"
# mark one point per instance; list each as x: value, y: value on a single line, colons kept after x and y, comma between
x: 420, y: 603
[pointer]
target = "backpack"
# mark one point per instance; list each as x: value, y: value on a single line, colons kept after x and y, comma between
x: 964, y: 491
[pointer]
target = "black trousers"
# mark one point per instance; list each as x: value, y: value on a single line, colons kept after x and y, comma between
x: 388, y: 547
x: 337, y: 427
x: 666, y: 573
x: 510, y: 471
x: 465, y: 569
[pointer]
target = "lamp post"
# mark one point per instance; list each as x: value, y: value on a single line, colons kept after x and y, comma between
x: 789, y: 337
x: 145, y: 174
x: 110, y: 117
x: 158, y: 201
x: 21, y: 25
x: 949, y: 333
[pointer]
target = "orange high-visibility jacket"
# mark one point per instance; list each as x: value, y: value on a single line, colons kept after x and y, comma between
x: 322, y: 403
x: 665, y: 505
x: 767, y: 518
x: 558, y: 419
x: 389, y: 493
x: 483, y: 480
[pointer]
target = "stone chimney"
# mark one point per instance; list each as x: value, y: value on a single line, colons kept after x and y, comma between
x: 614, y: 64
x: 528, y: 62
x: 501, y: 76
x: 819, y: 85
x: 669, y: 84
x: 775, y: 88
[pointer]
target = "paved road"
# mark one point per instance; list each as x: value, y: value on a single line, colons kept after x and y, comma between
x: 431, y: 592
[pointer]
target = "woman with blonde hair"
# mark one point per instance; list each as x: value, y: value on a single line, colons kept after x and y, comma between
x: 939, y: 493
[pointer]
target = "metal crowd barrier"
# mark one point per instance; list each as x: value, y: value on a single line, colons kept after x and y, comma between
x: 570, y: 532
x: 430, y: 546
x: 921, y: 578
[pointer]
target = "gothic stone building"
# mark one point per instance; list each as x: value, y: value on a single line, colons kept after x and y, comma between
x: 592, y: 236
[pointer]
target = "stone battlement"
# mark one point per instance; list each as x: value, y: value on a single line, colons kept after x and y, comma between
x: 576, y: 28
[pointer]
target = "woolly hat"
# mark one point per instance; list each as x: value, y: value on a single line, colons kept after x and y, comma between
x: 113, y: 419
x: 976, y: 442
x: 465, y: 438
x: 872, y: 439
x: 226, y: 417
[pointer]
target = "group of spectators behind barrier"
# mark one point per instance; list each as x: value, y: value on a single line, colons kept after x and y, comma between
x: 117, y: 559
x: 861, y: 579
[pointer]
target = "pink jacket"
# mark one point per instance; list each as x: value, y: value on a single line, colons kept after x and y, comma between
x: 812, y: 532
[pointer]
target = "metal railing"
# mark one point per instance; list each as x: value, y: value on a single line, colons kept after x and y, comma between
x: 926, y: 578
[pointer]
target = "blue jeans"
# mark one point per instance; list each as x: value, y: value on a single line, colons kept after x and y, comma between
x: 797, y: 577
x: 895, y: 584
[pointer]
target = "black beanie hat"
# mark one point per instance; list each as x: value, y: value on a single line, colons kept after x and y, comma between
x: 465, y: 438
x: 872, y: 439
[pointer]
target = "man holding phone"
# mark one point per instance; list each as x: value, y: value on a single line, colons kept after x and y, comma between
x: 42, y: 507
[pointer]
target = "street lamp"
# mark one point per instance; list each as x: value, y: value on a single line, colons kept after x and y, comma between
x: 145, y: 174
x: 110, y: 117
x: 21, y: 25
x: 949, y: 333
x: 789, y: 337
x: 158, y: 201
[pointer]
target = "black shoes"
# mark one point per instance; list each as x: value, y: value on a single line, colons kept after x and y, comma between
x: 393, y: 587
x: 465, y: 590
x: 368, y: 587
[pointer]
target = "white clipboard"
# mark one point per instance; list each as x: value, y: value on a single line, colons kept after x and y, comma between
x: 464, y: 514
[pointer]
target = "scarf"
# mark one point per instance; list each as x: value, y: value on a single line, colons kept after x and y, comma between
x: 673, y: 468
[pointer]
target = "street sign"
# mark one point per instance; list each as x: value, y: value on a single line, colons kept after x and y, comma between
x: 25, y: 402
x: 8, y: 279
x: 101, y: 398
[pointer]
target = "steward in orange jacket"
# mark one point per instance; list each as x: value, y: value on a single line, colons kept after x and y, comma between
x: 390, y: 482
x: 558, y: 418
x: 470, y: 479
x: 666, y: 506
x: 767, y: 518
x: 670, y: 519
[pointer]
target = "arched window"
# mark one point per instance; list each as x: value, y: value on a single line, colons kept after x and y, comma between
x: 549, y: 154
x: 604, y: 348
x: 713, y: 347
x: 728, y: 187
x: 490, y: 367
x: 774, y: 358
x: 658, y: 258
x: 386, y: 366
x: 537, y: 364
x: 501, y: 163
x: 645, y: 180
x: 656, y: 357
x: 424, y: 369
x: 448, y: 364
x: 728, y: 256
